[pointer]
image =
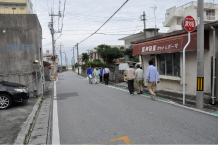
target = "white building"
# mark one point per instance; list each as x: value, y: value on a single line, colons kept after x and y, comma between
x: 16, y: 7
x: 150, y: 32
x: 174, y: 15
x: 47, y: 57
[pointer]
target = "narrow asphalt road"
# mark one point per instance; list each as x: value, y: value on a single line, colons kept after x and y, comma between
x: 100, y: 114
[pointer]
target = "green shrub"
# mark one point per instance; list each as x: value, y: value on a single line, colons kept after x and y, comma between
x: 95, y: 64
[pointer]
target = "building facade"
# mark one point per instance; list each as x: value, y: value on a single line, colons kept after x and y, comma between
x: 21, y: 45
x: 16, y: 7
x: 174, y: 15
x: 167, y: 53
x: 150, y: 32
x: 47, y: 57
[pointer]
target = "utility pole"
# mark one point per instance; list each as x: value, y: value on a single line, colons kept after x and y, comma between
x: 61, y: 56
x: 73, y: 60
x: 66, y: 60
x: 155, y: 8
x: 77, y: 57
x: 143, y: 19
x: 51, y: 27
x: 200, y: 55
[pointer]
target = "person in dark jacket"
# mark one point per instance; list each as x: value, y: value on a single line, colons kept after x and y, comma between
x: 89, y: 74
x: 101, y: 74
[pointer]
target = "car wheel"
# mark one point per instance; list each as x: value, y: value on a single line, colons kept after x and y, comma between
x: 5, y: 101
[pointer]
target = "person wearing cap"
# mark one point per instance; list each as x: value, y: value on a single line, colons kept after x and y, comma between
x: 130, y: 75
x: 139, y: 77
x: 151, y: 76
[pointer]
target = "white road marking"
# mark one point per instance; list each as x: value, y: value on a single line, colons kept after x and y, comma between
x: 170, y: 102
x: 55, y: 126
x: 55, y: 90
x: 174, y: 103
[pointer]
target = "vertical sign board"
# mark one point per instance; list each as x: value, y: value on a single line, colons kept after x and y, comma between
x: 188, y: 24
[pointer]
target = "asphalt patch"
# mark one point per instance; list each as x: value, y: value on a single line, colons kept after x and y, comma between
x: 66, y: 95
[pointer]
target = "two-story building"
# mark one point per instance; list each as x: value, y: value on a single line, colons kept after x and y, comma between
x: 150, y: 32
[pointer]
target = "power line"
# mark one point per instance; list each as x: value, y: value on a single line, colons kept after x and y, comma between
x: 136, y: 28
x: 88, y: 16
x: 48, y: 8
x: 104, y: 23
x: 97, y: 33
x: 105, y: 29
x: 63, y: 16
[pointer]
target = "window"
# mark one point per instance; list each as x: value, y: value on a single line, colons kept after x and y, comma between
x: 48, y: 59
x: 169, y: 64
x: 210, y: 15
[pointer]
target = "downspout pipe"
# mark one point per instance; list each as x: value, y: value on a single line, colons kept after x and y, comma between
x: 214, y: 58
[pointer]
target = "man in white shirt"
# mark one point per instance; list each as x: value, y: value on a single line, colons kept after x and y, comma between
x: 106, y: 72
x: 130, y: 75
x: 139, y: 77
x: 151, y: 76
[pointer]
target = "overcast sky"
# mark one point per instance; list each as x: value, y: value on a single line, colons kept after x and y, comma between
x: 84, y: 17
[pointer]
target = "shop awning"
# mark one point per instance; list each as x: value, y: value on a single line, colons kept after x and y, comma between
x: 169, y: 44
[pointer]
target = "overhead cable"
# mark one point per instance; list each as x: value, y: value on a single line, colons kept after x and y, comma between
x: 103, y: 24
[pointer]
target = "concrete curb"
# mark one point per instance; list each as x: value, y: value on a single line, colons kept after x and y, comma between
x: 27, y: 124
x: 40, y: 128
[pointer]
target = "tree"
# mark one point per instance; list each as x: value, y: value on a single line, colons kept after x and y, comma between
x: 85, y: 57
x: 129, y: 52
x: 108, y: 53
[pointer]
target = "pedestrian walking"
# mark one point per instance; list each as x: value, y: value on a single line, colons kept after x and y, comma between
x: 96, y: 75
x: 151, y: 76
x: 101, y: 74
x: 139, y: 77
x: 130, y: 75
x: 89, y: 74
x: 106, y: 73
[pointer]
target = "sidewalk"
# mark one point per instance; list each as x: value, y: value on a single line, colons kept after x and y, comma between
x: 37, y: 127
x: 178, y: 98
